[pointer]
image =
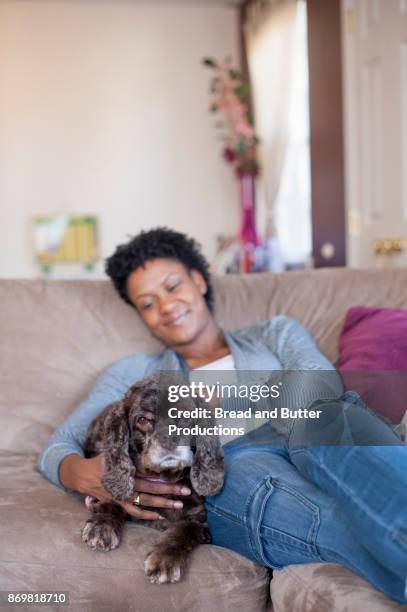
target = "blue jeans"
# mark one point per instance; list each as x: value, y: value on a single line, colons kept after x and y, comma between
x: 287, y: 502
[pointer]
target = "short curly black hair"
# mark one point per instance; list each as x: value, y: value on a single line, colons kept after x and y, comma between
x: 153, y: 244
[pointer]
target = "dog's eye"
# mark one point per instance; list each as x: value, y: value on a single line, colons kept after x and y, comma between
x: 145, y: 424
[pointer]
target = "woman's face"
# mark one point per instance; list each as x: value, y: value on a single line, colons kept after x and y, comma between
x: 169, y: 299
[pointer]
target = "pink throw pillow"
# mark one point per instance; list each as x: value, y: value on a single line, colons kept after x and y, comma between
x: 373, y: 358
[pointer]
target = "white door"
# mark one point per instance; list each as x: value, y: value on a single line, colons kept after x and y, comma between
x: 375, y: 98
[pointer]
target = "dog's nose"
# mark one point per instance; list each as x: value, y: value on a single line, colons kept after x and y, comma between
x: 171, y: 457
x: 181, y: 455
x: 170, y: 461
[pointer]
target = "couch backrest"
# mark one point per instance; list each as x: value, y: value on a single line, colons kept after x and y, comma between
x: 58, y: 336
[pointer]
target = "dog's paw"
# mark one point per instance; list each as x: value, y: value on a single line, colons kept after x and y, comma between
x: 100, y: 535
x: 161, y: 566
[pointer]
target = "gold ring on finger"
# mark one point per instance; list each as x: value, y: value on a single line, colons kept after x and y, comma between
x: 137, y: 500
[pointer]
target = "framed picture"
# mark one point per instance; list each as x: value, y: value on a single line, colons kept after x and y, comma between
x: 65, y: 238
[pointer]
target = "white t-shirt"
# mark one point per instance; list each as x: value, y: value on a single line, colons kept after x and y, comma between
x: 223, y: 363
x: 207, y: 375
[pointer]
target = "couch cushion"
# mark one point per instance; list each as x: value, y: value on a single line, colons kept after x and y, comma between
x: 326, y: 587
x: 42, y: 549
x: 373, y: 358
x: 374, y: 339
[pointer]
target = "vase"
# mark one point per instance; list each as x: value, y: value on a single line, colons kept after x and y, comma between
x: 248, y: 237
x: 243, y: 252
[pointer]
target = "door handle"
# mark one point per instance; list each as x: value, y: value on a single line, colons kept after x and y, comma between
x: 388, y: 246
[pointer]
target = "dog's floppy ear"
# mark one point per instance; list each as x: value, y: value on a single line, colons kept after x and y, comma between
x: 118, y: 469
x: 207, y: 470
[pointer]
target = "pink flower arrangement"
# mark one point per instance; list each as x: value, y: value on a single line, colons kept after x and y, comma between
x: 230, y: 96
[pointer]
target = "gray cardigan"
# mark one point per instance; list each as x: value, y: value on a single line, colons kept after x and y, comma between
x: 280, y: 344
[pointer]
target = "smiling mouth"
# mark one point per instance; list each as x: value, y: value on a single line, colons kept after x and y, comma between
x: 178, y: 320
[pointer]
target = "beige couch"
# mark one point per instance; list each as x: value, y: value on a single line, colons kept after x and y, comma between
x: 56, y: 337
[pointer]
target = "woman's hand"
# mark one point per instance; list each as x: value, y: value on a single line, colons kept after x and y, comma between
x: 85, y: 476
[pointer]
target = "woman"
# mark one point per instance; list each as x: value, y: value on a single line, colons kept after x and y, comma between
x: 284, y: 500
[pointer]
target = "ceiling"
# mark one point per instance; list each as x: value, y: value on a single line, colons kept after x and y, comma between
x: 192, y: 2
x: 235, y: 3
x: 219, y: 2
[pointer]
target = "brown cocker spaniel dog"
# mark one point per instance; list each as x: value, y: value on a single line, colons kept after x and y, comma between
x: 133, y: 436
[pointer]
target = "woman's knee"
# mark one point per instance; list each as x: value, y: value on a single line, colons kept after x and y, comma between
x: 343, y: 421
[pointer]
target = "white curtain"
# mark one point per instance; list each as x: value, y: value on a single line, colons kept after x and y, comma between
x: 276, y: 45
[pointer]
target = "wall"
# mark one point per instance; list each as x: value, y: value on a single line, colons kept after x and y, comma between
x: 103, y: 109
